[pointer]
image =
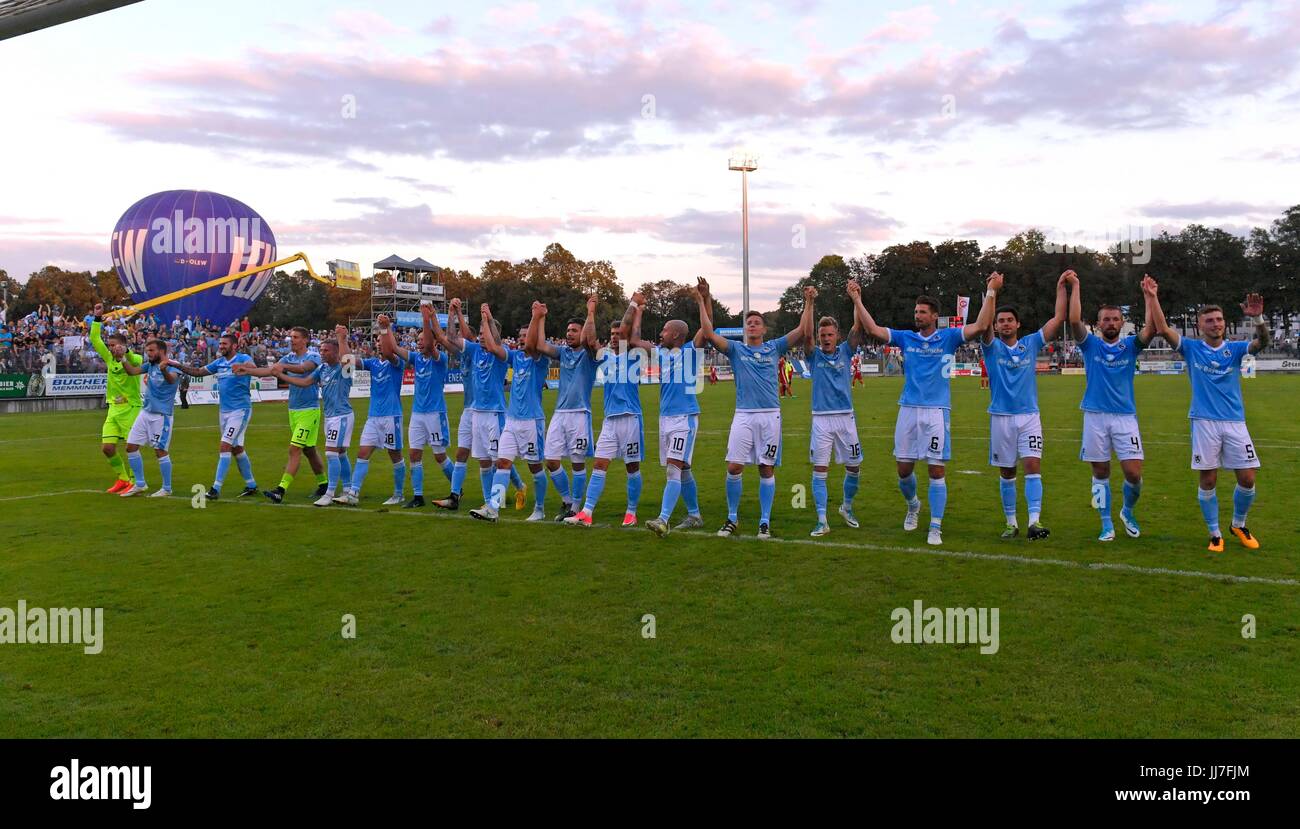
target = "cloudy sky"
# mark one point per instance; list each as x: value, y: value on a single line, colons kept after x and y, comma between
x: 461, y: 131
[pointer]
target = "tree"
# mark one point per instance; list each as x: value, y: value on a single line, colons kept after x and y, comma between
x: 72, y: 291
x: 292, y: 300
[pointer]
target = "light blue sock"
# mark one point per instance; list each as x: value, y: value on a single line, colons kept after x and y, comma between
x: 850, y: 487
x: 1008, y: 488
x: 672, y: 491
x: 735, y: 486
x: 766, y: 495
x: 500, y: 482
x: 345, y: 470
x: 938, y: 500
x: 223, y: 466
x: 594, y: 489
x: 1131, y: 494
x: 515, y: 478
x: 539, y: 489
x: 1241, y: 501
x: 690, y: 492
x: 359, y: 474
x: 332, y: 469
x: 399, y: 478
x: 485, y: 477
x: 417, y: 477
x: 245, y: 465
x: 447, y: 467
x: 1034, y: 496
x: 1101, y: 501
x: 1209, y: 500
x: 165, y: 468
x: 907, y: 486
x: 579, y: 485
x: 560, y: 481
x: 819, y: 493
x: 633, y: 491
x: 458, y: 478
x: 137, y: 467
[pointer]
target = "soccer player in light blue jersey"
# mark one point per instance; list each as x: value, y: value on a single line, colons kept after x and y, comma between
x: 622, y: 433
x: 334, y: 379
x: 922, y: 431
x: 834, y: 427
x: 235, y: 404
x: 1015, y: 428
x: 524, y: 431
x: 304, y: 412
x: 755, y: 437
x: 570, y: 434
x: 1109, y: 405
x: 429, y: 425
x: 1218, y: 414
x: 681, y: 378
x: 383, y: 427
x: 153, y: 425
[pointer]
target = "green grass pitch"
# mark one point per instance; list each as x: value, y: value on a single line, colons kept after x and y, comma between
x: 226, y: 621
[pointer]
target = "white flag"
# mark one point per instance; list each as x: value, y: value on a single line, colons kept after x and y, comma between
x: 963, y: 308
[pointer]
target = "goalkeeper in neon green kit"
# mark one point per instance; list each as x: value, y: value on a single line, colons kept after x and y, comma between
x: 123, y: 395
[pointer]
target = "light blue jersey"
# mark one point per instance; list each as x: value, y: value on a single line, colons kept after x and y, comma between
x: 679, y: 381
x: 622, y: 382
x: 1013, y: 374
x: 335, y: 389
x: 927, y: 366
x: 577, y: 376
x: 430, y: 377
x: 754, y: 368
x: 1110, y: 370
x: 233, y: 390
x: 300, y: 398
x: 832, y: 378
x: 160, y: 396
x: 385, y: 385
x: 527, y: 379
x: 489, y: 380
x: 467, y: 356
x: 1216, y: 379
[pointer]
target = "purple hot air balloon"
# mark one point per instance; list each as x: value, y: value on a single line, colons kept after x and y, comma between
x: 179, y: 238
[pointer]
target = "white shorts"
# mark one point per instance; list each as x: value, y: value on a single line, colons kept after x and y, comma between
x: 485, y: 434
x: 755, y: 438
x: 151, y: 429
x: 569, y: 436
x: 677, y: 438
x: 429, y: 429
x: 838, y: 432
x: 622, y: 436
x: 1012, y: 437
x: 338, y: 431
x: 923, y: 433
x: 1104, y: 433
x: 1221, y: 443
x: 465, y: 430
x: 522, y: 439
x: 233, y: 425
x: 383, y: 432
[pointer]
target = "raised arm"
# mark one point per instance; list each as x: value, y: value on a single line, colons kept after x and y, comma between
x: 1148, y: 331
x: 1075, y: 313
x: 707, y: 309
x: 535, y: 343
x: 798, y: 334
x: 1151, y: 291
x: 706, y: 324
x: 984, y: 321
x: 388, y: 347
x: 96, y: 338
x: 634, y: 338
x: 862, y: 317
x: 485, y: 335
x: 1253, y: 308
x: 589, y: 326
x: 1053, y: 326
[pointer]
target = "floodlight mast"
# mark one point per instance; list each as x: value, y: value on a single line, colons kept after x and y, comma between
x: 746, y: 163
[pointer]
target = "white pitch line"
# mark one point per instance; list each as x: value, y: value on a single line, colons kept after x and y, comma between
x: 1114, y: 567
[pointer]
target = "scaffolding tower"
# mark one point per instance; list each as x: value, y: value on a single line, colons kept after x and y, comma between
x: 400, y: 287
